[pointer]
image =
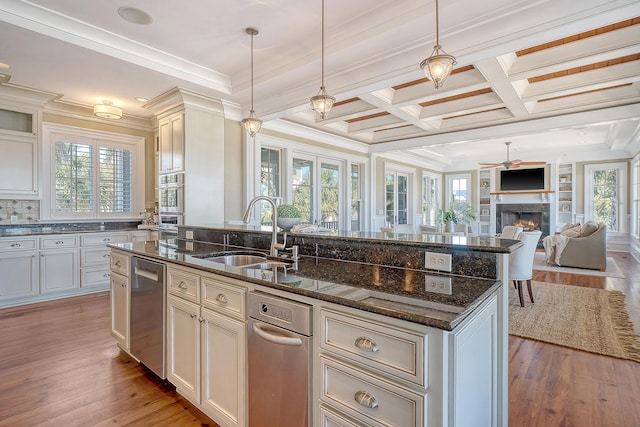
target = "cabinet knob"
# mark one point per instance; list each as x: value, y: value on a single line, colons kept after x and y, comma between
x: 222, y: 298
x: 182, y: 285
x: 16, y: 245
x: 367, y: 344
x: 124, y: 285
x: 366, y: 399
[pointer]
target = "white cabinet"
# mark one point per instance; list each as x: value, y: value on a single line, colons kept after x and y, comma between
x: 19, y: 148
x: 206, y: 344
x: 95, y: 258
x: 120, y: 304
x: 18, y: 268
x: 183, y: 347
x: 172, y: 143
x: 59, y: 267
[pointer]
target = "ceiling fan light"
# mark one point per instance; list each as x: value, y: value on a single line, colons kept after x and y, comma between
x: 252, y: 124
x: 106, y: 110
x: 322, y: 103
x: 438, y: 66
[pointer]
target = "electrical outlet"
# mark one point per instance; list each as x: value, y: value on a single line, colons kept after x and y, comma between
x: 189, y: 234
x: 438, y: 284
x: 14, y: 219
x: 437, y: 261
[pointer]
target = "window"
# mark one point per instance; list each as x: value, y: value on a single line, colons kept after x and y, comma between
x: 397, y: 197
x: 356, y: 197
x: 270, y: 180
x: 94, y: 177
x: 318, y: 202
x: 430, y: 197
x: 604, y: 194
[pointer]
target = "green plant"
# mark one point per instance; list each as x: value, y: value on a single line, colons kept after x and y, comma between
x: 458, y: 211
x: 288, y: 211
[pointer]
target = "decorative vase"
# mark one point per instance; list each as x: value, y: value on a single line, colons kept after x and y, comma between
x: 286, y: 224
x: 449, y: 227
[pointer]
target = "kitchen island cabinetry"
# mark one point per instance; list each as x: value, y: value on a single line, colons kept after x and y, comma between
x: 206, y: 344
x: 120, y: 306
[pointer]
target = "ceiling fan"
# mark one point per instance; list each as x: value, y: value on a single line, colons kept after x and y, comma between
x: 509, y: 164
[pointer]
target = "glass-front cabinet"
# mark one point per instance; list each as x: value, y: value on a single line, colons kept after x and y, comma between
x: 565, y: 195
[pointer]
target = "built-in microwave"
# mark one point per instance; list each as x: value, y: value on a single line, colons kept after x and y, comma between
x: 171, y: 193
x: 170, y: 221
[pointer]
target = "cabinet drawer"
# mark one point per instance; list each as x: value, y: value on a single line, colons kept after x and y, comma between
x: 380, y: 346
x: 105, y: 239
x: 224, y: 298
x: 63, y: 241
x: 184, y: 284
x: 369, y: 398
x: 329, y: 418
x: 17, y: 244
x: 97, y: 276
x: 120, y: 263
x: 95, y: 256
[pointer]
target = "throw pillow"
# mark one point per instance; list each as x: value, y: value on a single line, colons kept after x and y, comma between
x: 568, y: 226
x: 572, y: 232
x: 588, y: 229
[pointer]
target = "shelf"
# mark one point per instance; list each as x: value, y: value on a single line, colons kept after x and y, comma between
x: 524, y: 192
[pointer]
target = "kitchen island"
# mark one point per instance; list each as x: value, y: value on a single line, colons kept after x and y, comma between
x: 439, y: 339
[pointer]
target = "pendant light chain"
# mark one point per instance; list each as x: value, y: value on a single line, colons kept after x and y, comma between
x: 437, y: 27
x: 252, y: 34
x: 322, y: 62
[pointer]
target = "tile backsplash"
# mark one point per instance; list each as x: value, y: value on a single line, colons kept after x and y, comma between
x: 25, y: 211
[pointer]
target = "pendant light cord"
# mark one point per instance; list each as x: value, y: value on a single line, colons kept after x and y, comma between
x: 322, y: 65
x: 252, y: 72
x: 437, y: 27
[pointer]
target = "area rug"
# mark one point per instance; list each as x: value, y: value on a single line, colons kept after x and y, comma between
x: 612, y: 269
x: 593, y: 320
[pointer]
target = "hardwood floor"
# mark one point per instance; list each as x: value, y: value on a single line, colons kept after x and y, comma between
x: 557, y: 386
x: 60, y: 367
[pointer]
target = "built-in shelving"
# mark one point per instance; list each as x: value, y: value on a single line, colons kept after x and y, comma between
x: 484, y: 208
x: 565, y: 196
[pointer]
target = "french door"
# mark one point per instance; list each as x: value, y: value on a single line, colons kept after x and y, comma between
x: 397, y: 197
x: 316, y: 190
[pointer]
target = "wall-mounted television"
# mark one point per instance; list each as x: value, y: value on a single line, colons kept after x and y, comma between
x: 522, y: 179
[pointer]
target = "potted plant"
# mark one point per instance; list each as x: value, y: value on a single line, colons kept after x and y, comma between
x: 288, y: 216
x: 458, y: 211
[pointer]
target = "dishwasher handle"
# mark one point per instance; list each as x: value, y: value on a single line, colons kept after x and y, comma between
x: 151, y: 275
x: 287, y: 338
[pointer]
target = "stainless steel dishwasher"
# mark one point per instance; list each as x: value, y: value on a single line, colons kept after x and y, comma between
x: 147, y: 315
x: 279, y: 361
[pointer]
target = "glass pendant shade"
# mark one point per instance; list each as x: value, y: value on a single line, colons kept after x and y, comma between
x: 252, y: 123
x: 322, y: 103
x: 438, y: 66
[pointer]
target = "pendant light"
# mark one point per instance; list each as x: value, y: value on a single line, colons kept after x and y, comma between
x: 322, y: 102
x: 252, y: 123
x: 439, y: 65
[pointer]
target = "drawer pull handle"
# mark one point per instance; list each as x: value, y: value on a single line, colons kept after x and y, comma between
x: 193, y: 315
x: 366, y: 399
x: 16, y: 245
x: 106, y: 256
x: 124, y: 285
x: 106, y: 239
x: 182, y: 285
x: 59, y: 242
x: 106, y: 275
x: 118, y: 263
x: 367, y: 344
x: 222, y: 298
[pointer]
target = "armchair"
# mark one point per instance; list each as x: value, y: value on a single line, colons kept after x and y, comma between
x: 586, y: 248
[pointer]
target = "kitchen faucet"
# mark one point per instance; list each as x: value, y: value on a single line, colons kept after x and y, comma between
x: 274, y: 216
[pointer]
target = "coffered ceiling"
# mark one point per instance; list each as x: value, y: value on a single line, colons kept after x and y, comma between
x: 555, y: 77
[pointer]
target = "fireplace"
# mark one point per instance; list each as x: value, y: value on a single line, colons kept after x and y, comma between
x: 530, y: 216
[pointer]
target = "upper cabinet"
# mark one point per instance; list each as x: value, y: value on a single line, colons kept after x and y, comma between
x: 172, y: 143
x: 19, y: 148
x: 566, y: 195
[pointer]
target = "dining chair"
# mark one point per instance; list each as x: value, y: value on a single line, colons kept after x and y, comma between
x: 510, y: 232
x: 521, y: 262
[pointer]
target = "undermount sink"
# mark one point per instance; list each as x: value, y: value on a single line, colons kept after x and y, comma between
x: 238, y: 260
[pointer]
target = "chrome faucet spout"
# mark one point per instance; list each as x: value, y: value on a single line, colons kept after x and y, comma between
x: 274, y: 217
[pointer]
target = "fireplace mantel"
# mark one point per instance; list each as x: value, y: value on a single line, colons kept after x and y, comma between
x: 523, y: 192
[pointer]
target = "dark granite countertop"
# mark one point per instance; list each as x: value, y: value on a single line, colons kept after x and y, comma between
x: 396, y: 292
x: 17, y: 230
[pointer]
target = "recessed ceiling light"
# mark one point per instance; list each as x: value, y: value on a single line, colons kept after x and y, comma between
x: 141, y: 99
x: 3, y: 65
x: 134, y: 15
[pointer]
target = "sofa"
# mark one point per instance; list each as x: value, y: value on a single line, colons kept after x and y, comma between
x: 578, y: 246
